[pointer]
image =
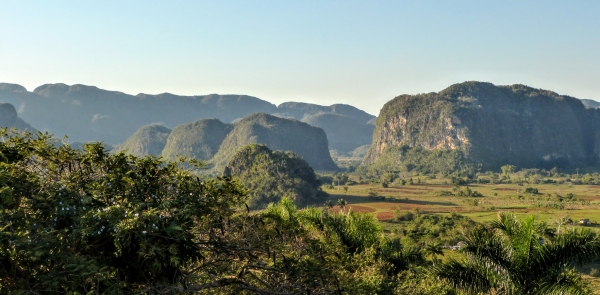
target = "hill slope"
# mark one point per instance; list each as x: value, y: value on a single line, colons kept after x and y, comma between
x: 300, y: 110
x: 590, y: 103
x: 148, y: 140
x: 199, y: 140
x: 10, y: 119
x: 346, y: 126
x: 487, y: 126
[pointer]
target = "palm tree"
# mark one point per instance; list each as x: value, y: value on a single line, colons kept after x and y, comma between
x: 433, y: 250
x: 329, y: 204
x: 520, y: 257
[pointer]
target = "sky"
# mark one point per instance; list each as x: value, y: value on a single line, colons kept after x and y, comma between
x: 362, y: 53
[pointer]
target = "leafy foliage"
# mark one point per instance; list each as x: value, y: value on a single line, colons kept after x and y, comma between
x: 421, y: 229
x: 82, y: 221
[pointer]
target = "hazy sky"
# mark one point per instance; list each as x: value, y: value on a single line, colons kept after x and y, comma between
x: 362, y: 53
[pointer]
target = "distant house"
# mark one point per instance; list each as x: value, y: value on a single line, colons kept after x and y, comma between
x: 584, y: 221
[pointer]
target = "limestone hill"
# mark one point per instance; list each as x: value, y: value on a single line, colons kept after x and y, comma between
x: 88, y: 113
x: 485, y: 126
x: 346, y: 126
x: 270, y: 175
x: 300, y: 110
x: 276, y: 133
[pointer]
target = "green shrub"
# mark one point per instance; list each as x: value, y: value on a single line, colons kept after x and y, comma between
x: 531, y: 190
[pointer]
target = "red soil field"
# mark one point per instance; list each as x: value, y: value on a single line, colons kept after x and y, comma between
x: 385, y: 215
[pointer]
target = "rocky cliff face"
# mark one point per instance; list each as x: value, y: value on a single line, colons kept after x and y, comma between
x: 490, y: 126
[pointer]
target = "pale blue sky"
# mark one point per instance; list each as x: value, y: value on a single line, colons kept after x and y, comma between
x: 362, y: 53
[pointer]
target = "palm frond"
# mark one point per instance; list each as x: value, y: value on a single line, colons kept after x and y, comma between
x: 575, y: 246
x: 482, y: 243
x: 568, y: 282
x: 462, y: 277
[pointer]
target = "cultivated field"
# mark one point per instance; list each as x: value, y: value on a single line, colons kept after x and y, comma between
x: 553, y: 202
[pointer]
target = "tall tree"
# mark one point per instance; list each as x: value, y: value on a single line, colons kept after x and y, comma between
x: 433, y: 250
x: 514, y: 256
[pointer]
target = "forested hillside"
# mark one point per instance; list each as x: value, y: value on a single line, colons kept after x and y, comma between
x: 273, y: 175
x: 199, y: 140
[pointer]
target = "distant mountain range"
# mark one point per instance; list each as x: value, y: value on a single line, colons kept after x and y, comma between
x: 87, y: 113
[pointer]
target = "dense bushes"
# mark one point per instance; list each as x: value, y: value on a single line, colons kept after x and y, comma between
x: 417, y: 228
